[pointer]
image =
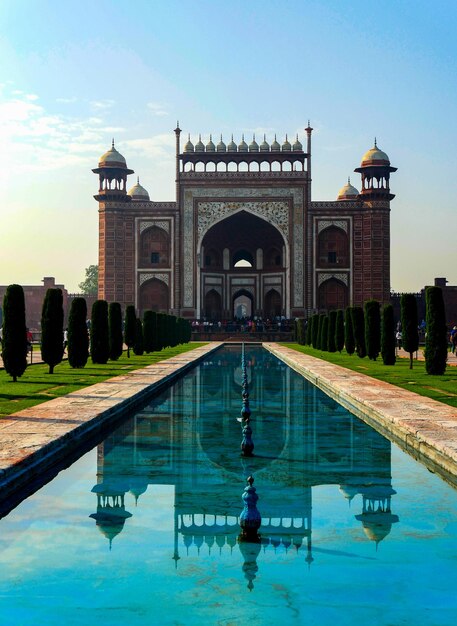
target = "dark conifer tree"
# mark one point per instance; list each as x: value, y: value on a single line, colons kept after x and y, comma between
x: 409, y: 327
x: 339, y: 331
x: 372, y: 329
x: 14, y: 343
x: 116, y: 339
x: 78, y: 337
x: 349, y: 341
x: 331, y: 347
x: 315, y: 335
x: 309, y: 331
x: 138, y: 346
x: 99, y: 332
x: 436, y: 337
x: 358, y: 326
x: 319, y: 331
x: 324, y: 335
x: 388, y: 335
x: 129, y: 327
x: 52, y: 328
x: 148, y: 331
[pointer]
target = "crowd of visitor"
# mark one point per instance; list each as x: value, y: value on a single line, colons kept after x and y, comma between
x: 244, y: 325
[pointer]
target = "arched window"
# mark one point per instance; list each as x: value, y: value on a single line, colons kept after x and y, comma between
x: 243, y: 258
x: 154, y: 248
x: 333, y: 248
x: 272, y: 258
x: 154, y: 295
x: 272, y: 306
x: 213, y: 305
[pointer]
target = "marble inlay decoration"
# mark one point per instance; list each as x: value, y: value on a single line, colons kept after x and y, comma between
x: 164, y: 225
x: 323, y: 224
x: 165, y: 278
x: 322, y: 278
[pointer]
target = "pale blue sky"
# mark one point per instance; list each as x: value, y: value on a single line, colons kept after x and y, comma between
x: 75, y: 74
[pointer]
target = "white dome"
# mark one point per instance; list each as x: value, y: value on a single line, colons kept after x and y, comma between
x: 375, y: 156
x: 137, y: 192
x: 348, y: 192
x: 112, y: 158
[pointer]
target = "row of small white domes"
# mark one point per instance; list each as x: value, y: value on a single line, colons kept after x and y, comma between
x: 113, y: 158
x: 242, y: 146
x: 348, y: 192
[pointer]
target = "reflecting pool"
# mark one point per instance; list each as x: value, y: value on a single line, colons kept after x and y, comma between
x: 144, y: 528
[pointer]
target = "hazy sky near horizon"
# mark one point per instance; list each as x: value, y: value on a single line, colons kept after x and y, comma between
x: 73, y: 75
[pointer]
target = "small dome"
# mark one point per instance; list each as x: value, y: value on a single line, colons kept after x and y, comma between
x: 297, y: 145
x: 243, y: 147
x: 286, y: 147
x: 348, y: 192
x: 210, y: 147
x: 112, y: 158
x: 375, y: 156
x: 221, y: 147
x: 232, y: 146
x: 275, y: 146
x: 137, y: 192
x: 264, y: 147
x: 253, y: 146
x: 199, y: 147
x: 189, y: 147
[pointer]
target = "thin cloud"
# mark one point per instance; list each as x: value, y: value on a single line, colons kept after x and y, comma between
x: 102, y: 104
x: 157, y: 109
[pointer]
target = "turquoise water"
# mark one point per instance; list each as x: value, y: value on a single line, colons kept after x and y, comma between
x: 143, y: 529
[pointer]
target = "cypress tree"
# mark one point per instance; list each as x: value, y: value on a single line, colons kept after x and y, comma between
x: 436, y: 338
x: 129, y: 327
x: 320, y: 323
x: 138, y: 346
x: 78, y: 338
x: 331, y: 347
x: 155, y: 338
x: 349, y: 341
x: 324, y: 335
x: 116, y: 340
x: 372, y: 329
x: 14, y: 344
x: 160, y: 331
x: 339, y: 331
x: 309, y: 331
x: 388, y: 335
x: 148, y: 331
x: 52, y: 328
x: 315, y: 335
x: 99, y: 332
x: 358, y: 326
x: 409, y: 330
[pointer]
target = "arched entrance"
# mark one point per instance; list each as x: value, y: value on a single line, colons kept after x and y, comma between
x: 333, y: 294
x: 154, y: 296
x: 252, y: 256
x: 242, y: 306
x: 213, y: 305
x: 272, y: 306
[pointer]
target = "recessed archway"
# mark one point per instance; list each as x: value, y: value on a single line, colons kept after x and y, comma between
x: 242, y: 306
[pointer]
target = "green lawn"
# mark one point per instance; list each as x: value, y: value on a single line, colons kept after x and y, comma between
x: 441, y: 388
x: 36, y: 385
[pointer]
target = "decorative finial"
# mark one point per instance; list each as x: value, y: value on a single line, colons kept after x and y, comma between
x: 286, y: 137
x: 137, y: 180
x: 112, y: 143
x: 221, y: 136
x: 177, y: 124
x: 210, y: 137
x: 188, y: 136
x: 242, y: 137
x: 297, y: 136
x: 375, y: 144
x: 199, y: 136
x: 309, y: 124
x: 275, y: 136
x: 349, y: 180
x: 232, y: 136
x: 253, y: 136
x: 264, y: 137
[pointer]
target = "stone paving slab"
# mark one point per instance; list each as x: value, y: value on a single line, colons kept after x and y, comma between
x: 33, y: 439
x: 424, y: 428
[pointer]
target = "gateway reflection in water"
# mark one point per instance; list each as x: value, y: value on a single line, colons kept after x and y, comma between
x: 189, y: 437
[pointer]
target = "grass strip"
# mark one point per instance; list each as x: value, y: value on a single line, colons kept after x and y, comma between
x: 37, y: 385
x: 441, y: 388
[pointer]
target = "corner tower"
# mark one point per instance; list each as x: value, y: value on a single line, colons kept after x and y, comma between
x: 114, y: 273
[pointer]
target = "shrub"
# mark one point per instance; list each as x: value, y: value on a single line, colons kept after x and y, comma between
x: 129, y: 327
x: 409, y: 330
x: 358, y: 326
x: 99, y: 333
x: 148, y: 331
x: 315, y: 331
x: 138, y: 346
x: 372, y: 329
x: 388, y: 335
x: 78, y: 337
x: 52, y: 328
x: 339, y: 330
x: 349, y: 341
x: 116, y: 340
x: 14, y: 344
x: 320, y: 326
x: 324, y: 336
x: 436, y: 338
x: 331, y: 347
x: 309, y: 331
